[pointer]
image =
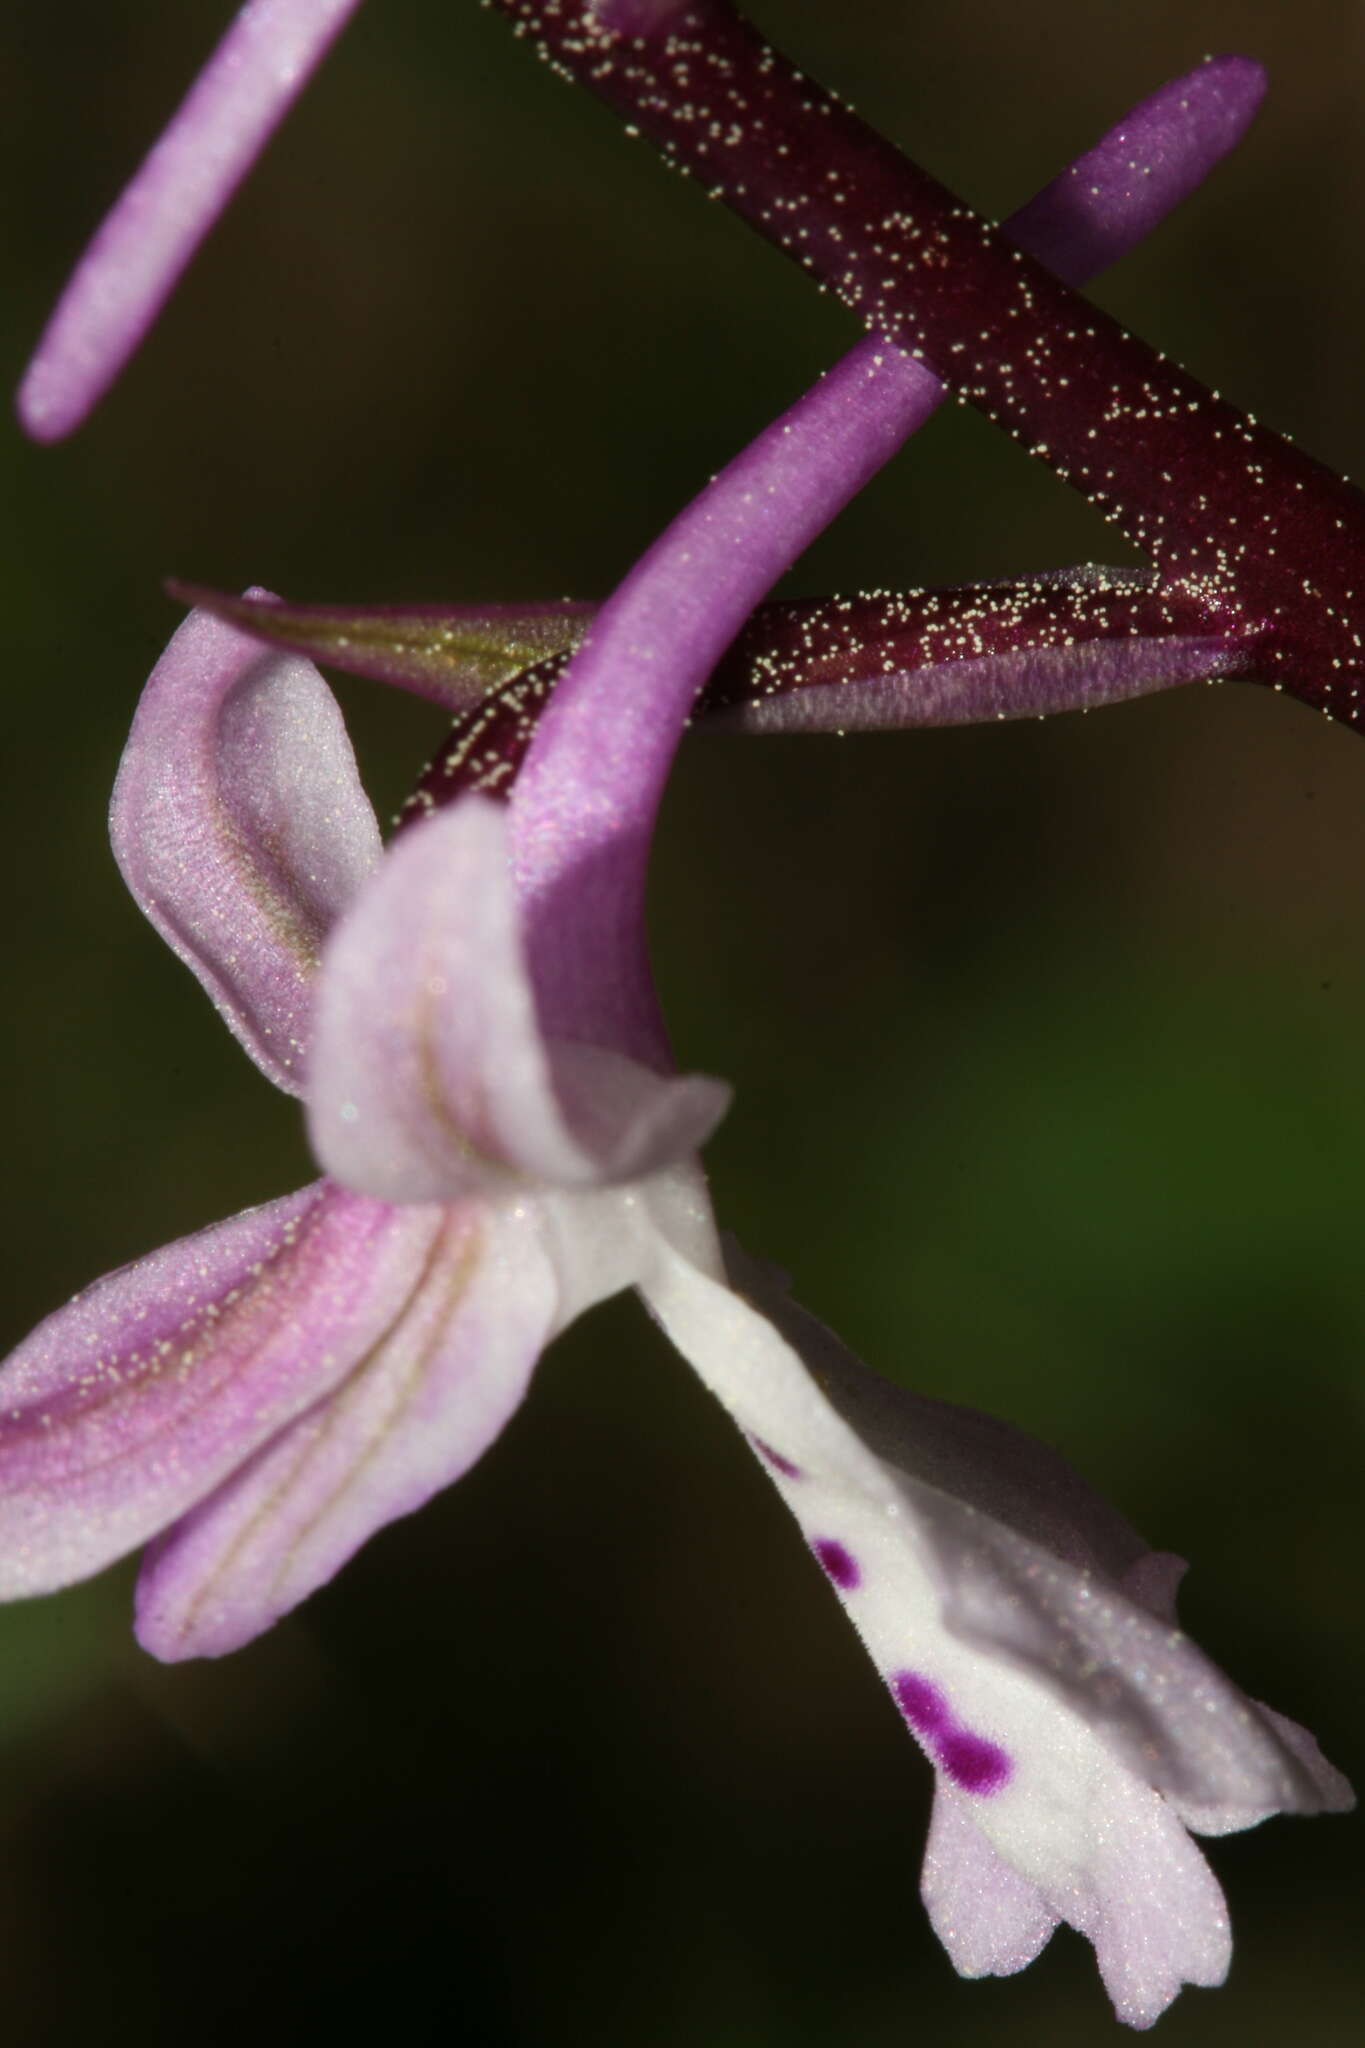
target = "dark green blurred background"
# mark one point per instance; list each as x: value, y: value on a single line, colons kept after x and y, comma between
x: 1047, y: 1042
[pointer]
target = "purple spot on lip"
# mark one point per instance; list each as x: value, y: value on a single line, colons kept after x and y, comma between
x: 775, y: 1459
x: 840, y: 1564
x: 972, y: 1762
x: 922, y: 1704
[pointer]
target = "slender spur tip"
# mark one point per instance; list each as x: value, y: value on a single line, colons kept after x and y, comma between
x: 1123, y: 188
x: 158, y: 221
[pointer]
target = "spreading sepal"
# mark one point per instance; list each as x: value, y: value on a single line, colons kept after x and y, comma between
x: 127, y: 1406
x: 414, y: 1410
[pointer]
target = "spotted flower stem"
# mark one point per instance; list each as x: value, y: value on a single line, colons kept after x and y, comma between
x: 1079, y: 638
x: 1263, y: 538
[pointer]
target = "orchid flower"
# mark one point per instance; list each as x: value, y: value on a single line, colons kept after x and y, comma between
x: 471, y: 1022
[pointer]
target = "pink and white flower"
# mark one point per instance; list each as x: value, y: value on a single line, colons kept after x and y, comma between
x: 470, y: 1020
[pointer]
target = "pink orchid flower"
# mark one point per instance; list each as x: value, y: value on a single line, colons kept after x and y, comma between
x: 471, y: 1022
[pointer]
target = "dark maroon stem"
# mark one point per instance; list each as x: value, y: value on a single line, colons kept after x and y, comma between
x: 1256, y: 536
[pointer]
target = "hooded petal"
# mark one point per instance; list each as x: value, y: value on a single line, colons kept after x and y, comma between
x: 132, y: 265
x: 1003, y: 1603
x: 413, y: 1413
x: 431, y: 1078
x: 240, y: 826
x: 131, y: 1404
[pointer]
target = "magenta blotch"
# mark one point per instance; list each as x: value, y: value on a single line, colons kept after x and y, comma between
x: 838, y: 1563
x: 969, y: 1760
x: 972, y: 1762
x: 922, y: 1704
x: 775, y: 1459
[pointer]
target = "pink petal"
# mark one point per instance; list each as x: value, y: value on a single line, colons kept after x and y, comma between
x: 412, y: 1414
x: 128, y: 1406
x: 132, y: 264
x: 431, y: 1080
x: 240, y: 825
